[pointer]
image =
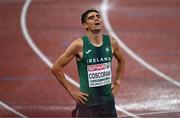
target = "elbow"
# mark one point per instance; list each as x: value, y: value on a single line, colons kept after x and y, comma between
x: 55, y: 68
x: 122, y: 61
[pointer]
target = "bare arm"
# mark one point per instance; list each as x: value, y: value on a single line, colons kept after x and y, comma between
x: 120, y: 65
x: 61, y: 62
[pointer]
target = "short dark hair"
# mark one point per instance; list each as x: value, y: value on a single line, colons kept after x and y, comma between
x: 84, y: 15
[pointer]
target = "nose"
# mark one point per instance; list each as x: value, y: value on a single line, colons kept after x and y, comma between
x: 96, y: 18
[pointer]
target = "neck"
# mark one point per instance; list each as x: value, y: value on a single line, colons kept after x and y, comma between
x: 95, y: 38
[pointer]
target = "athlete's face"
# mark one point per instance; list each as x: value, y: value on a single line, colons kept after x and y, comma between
x: 93, y: 22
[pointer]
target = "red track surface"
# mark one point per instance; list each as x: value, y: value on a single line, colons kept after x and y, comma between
x: 150, y: 28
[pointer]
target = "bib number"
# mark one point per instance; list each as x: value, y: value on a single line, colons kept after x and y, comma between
x: 99, y: 74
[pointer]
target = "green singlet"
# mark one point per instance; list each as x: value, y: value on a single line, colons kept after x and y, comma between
x: 95, y: 71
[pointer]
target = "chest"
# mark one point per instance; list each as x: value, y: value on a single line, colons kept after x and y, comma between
x: 96, y: 55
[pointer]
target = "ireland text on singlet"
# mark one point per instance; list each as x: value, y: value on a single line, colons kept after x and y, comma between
x: 95, y: 71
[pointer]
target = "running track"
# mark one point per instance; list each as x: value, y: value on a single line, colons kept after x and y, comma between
x: 149, y: 28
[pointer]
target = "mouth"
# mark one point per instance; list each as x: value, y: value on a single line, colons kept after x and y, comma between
x: 97, y: 23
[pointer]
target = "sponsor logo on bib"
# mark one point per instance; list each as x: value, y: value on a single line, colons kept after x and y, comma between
x: 99, y: 74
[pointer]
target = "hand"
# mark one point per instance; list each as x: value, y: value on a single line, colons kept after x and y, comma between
x: 80, y: 97
x: 115, y: 87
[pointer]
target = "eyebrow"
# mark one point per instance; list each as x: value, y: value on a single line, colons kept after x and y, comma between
x: 93, y: 15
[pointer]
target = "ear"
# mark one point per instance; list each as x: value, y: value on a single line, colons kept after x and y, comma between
x: 84, y: 25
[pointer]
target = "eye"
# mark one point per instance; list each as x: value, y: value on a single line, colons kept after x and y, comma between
x: 98, y: 16
x: 91, y: 17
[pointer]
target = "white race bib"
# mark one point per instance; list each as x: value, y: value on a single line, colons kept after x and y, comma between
x: 99, y: 74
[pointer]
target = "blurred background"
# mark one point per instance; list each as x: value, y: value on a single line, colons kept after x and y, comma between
x: 150, y: 28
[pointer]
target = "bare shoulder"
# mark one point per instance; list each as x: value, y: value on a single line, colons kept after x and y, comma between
x: 113, y: 41
x: 76, y: 45
x: 114, y: 44
x: 117, y: 51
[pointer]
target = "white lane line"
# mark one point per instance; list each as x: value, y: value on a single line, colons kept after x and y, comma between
x: 32, y: 44
x: 42, y: 56
x: 127, y: 112
x: 12, y: 110
x: 153, y: 113
x: 104, y: 9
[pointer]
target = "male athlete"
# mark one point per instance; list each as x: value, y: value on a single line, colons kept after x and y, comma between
x: 93, y: 53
